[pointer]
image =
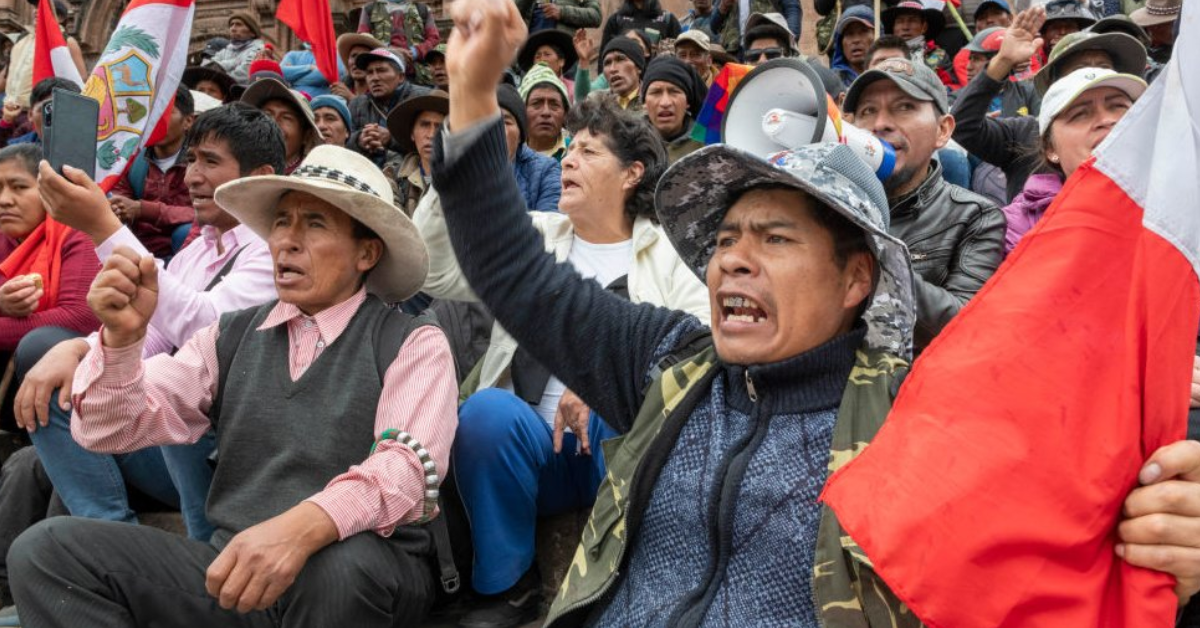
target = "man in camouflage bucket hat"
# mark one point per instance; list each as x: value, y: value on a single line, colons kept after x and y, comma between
x: 732, y: 430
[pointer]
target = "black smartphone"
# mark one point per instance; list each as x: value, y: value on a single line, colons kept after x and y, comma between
x: 69, y: 122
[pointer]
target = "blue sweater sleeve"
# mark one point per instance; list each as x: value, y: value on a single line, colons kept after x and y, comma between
x: 598, y: 344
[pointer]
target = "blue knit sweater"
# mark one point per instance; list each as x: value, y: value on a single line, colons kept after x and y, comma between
x: 731, y: 523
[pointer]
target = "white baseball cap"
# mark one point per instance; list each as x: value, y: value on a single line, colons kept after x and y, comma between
x: 1070, y: 87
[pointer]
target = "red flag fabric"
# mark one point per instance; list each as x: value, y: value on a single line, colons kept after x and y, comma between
x: 51, y: 57
x: 992, y: 495
x: 312, y: 22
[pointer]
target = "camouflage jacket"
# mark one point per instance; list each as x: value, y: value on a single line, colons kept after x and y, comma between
x: 847, y: 591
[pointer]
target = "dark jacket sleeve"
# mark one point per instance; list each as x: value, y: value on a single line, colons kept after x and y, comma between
x: 975, y: 259
x: 585, y: 14
x: 794, y: 16
x: 598, y: 344
x: 1009, y: 143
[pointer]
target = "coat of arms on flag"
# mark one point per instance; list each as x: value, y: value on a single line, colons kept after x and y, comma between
x: 135, y: 80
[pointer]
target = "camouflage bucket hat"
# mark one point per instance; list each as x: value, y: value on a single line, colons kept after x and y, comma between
x: 694, y: 195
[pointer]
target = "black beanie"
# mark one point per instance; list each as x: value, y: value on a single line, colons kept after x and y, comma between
x: 510, y: 101
x: 627, y: 47
x: 680, y: 74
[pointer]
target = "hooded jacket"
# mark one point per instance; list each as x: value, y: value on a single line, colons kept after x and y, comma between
x: 838, y: 62
x: 1028, y: 207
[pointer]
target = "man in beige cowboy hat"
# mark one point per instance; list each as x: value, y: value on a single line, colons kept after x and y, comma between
x: 292, y: 112
x: 1158, y: 18
x: 312, y: 522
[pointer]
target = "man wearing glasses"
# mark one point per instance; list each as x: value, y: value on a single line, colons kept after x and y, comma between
x: 767, y: 37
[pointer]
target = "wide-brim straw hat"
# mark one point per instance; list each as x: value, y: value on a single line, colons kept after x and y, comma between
x: 402, y: 117
x: 267, y: 89
x: 549, y: 37
x: 347, y: 42
x: 350, y: 182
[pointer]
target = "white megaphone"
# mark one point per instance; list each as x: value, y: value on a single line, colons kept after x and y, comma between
x: 782, y: 105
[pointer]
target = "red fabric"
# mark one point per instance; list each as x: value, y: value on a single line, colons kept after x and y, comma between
x: 78, y: 268
x: 47, y: 36
x: 991, y: 496
x: 312, y: 22
x: 41, y: 253
x: 166, y: 204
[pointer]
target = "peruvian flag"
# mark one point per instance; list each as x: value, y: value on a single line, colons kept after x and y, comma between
x: 312, y: 22
x: 991, y: 496
x: 51, y: 57
x: 136, y: 79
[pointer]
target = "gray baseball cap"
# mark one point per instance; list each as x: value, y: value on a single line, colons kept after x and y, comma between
x: 915, y: 79
x: 694, y: 195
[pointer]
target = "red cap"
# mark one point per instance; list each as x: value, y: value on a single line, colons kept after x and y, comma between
x: 266, y: 65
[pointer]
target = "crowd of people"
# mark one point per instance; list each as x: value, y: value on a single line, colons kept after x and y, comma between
x: 497, y: 276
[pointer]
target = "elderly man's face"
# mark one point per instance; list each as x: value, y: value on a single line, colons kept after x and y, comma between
x: 775, y: 285
x: 331, y: 125
x: 383, y: 77
x: 914, y: 127
x: 318, y: 260
x: 695, y: 56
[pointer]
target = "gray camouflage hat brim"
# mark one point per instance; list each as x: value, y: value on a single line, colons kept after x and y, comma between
x: 696, y: 193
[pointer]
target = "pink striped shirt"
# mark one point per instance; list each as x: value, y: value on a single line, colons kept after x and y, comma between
x: 123, y: 404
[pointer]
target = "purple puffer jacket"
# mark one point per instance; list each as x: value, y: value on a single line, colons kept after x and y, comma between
x: 1028, y: 206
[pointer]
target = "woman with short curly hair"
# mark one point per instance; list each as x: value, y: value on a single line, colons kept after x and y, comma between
x: 513, y: 463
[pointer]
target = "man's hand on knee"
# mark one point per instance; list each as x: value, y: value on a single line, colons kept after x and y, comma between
x: 56, y: 370
x: 261, y: 562
x: 1161, y: 529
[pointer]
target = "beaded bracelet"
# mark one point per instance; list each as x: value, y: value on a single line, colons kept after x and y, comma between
x: 427, y: 463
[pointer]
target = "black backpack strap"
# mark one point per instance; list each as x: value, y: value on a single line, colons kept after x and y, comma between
x: 689, y: 346
x: 225, y: 270
x: 390, y: 336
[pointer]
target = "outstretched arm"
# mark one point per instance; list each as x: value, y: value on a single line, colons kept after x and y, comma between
x: 598, y: 344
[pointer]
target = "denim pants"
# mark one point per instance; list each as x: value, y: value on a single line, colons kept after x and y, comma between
x: 93, y: 485
x: 508, y: 476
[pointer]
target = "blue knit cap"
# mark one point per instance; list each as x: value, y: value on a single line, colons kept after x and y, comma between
x: 337, y: 104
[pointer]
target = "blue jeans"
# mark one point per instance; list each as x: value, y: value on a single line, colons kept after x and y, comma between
x: 94, y: 485
x: 508, y: 476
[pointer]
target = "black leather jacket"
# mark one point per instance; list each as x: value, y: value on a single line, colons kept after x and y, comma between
x: 955, y: 240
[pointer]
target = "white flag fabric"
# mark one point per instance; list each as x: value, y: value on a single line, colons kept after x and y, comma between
x: 135, y: 80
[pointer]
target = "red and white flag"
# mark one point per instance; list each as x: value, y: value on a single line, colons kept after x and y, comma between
x: 51, y: 57
x: 312, y: 21
x: 991, y: 496
x: 135, y: 81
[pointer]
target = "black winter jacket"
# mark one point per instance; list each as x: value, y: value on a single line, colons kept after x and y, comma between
x: 955, y: 240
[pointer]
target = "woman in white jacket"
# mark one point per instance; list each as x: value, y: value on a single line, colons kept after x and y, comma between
x: 513, y: 461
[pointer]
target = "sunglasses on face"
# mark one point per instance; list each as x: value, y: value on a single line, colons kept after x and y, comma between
x: 755, y: 54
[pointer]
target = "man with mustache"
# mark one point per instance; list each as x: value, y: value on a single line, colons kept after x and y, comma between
x: 955, y: 237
